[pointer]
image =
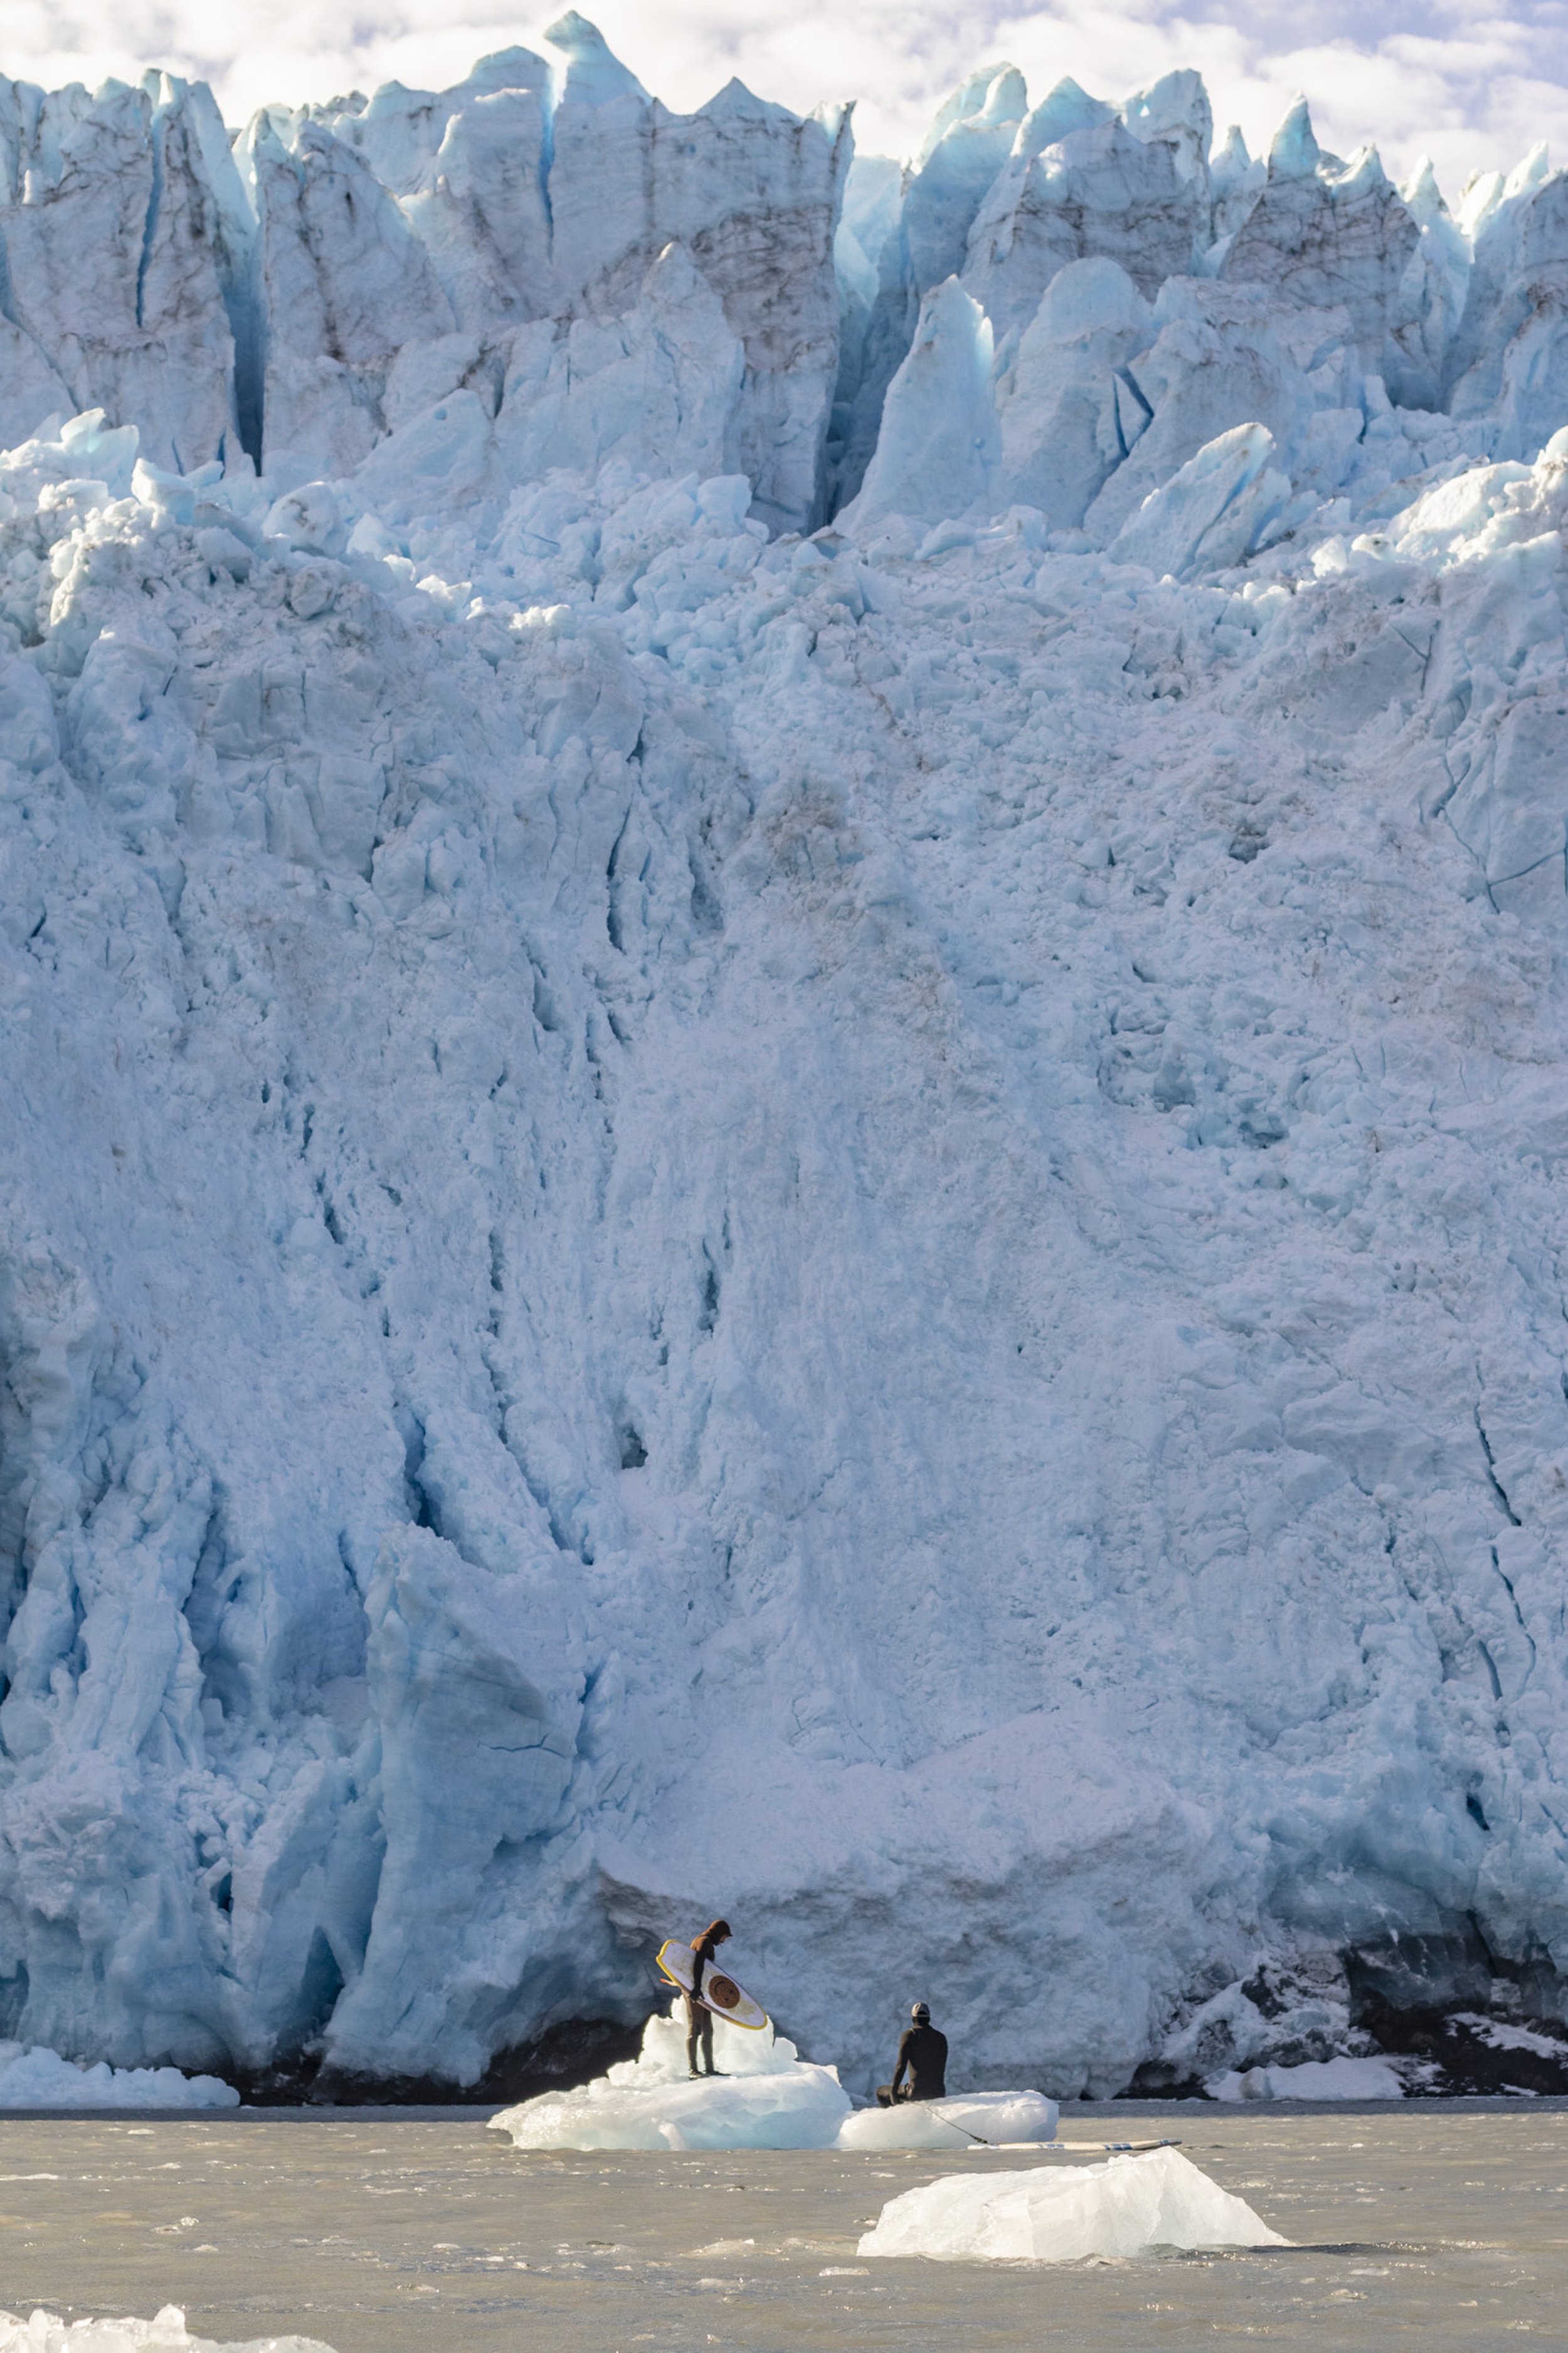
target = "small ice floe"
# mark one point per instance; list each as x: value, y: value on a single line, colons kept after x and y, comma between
x: 763, y: 2096
x: 1315, y: 2079
x: 1060, y: 2214
x: 979, y: 2120
x: 40, y: 2078
x: 45, y: 2332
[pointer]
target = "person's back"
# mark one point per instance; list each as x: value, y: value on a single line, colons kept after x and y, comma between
x: 923, y: 2051
x: 923, y: 2056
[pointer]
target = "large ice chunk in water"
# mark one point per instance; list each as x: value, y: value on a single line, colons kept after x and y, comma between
x: 993, y: 2119
x: 763, y: 2096
x: 1061, y: 2214
x: 45, y: 2332
x: 42, y: 2079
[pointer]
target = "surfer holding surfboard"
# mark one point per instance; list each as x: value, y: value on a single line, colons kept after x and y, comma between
x: 709, y: 1992
x: 699, y: 2016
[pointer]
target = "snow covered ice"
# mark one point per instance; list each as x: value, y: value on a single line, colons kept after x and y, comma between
x: 46, y: 2332
x: 763, y: 2095
x: 999, y: 2119
x: 1130, y: 2206
x: 782, y: 1016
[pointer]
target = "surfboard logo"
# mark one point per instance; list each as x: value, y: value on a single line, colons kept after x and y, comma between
x: 719, y: 1993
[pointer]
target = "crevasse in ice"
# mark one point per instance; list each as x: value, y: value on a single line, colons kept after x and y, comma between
x: 783, y: 1042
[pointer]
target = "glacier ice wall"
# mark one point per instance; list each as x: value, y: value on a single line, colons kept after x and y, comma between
x: 857, y: 1221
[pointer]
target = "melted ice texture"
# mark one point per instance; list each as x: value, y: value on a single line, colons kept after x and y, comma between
x: 1127, y: 2207
x: 865, y: 1222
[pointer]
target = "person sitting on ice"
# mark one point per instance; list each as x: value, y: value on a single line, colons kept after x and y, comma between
x: 698, y: 2016
x: 923, y: 2053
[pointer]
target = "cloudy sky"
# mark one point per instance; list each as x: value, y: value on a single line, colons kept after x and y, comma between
x: 1472, y: 87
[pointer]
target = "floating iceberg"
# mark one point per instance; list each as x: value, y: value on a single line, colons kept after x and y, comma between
x: 996, y: 2119
x: 45, y: 2332
x: 764, y: 2096
x: 42, y: 2079
x: 1129, y: 2205
x: 1314, y: 2079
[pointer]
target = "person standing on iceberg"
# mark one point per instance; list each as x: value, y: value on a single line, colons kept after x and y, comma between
x: 698, y: 2016
x: 923, y: 2053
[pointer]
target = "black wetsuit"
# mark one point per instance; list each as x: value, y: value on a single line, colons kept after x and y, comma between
x: 923, y: 2052
x: 698, y: 2016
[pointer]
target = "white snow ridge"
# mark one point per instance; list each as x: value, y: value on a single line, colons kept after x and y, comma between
x: 783, y: 1034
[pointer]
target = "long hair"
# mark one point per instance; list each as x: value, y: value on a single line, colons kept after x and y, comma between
x: 715, y: 1933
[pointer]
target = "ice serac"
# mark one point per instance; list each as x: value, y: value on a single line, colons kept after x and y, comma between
x: 1097, y: 191
x: 655, y: 389
x: 340, y: 285
x: 1323, y: 233
x: 1509, y: 358
x: 752, y: 192
x: 1432, y: 295
x: 904, y: 240
x: 969, y: 142
x: 1071, y: 409
x: 479, y: 200
x: 113, y: 240
x: 937, y: 451
x: 1235, y: 179
x: 1217, y: 357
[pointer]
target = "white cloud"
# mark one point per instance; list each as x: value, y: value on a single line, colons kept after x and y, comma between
x: 1471, y: 89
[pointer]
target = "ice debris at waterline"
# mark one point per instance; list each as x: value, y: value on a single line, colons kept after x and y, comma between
x: 1060, y: 2214
x: 991, y: 2119
x: 764, y: 2095
x: 865, y: 1226
x: 46, y: 2332
x: 42, y: 2079
x: 1325, y: 2079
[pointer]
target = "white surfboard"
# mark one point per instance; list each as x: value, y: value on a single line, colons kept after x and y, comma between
x: 719, y: 1993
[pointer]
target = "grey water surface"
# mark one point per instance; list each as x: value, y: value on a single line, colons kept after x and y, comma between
x: 1444, y: 2223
